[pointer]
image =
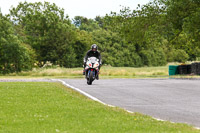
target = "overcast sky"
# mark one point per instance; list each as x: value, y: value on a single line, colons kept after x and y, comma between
x: 86, y: 8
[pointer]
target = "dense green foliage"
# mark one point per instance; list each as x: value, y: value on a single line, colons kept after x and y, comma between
x: 46, y: 29
x: 156, y: 33
x: 14, y: 55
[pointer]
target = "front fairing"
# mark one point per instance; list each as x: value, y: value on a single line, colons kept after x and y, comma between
x: 92, y: 65
x: 92, y: 62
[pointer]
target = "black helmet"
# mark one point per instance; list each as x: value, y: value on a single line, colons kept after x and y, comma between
x: 94, y: 46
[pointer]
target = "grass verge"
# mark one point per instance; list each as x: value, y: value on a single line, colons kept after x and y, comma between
x: 106, y: 72
x: 51, y: 107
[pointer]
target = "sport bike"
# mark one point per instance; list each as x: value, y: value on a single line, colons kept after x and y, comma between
x: 91, y: 69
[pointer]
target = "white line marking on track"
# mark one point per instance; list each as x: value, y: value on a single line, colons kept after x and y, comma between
x: 82, y: 92
x: 197, y: 128
x: 95, y: 99
x: 158, y: 119
x: 129, y: 111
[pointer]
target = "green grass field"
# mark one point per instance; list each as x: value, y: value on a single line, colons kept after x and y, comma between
x: 106, y: 72
x: 50, y: 107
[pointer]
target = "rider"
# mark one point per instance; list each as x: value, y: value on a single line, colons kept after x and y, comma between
x: 93, y: 53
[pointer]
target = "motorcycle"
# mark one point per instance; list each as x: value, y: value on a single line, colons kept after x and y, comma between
x: 91, y: 70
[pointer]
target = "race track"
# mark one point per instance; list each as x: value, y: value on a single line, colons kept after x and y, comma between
x: 167, y: 99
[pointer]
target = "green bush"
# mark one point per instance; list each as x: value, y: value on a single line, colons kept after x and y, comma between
x: 177, y: 55
x: 154, y: 57
x: 160, y: 57
x: 180, y: 56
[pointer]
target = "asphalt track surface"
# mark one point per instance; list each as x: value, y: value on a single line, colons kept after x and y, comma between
x: 167, y: 99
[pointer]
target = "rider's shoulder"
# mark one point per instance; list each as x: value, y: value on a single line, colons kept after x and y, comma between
x: 89, y: 51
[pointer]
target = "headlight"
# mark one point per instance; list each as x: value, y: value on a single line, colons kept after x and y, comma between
x: 96, y: 65
x: 89, y: 64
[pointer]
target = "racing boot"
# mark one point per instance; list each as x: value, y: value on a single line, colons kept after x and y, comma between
x: 97, y: 76
x: 84, y: 65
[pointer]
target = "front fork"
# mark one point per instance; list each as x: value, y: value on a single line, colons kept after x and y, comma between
x: 94, y: 71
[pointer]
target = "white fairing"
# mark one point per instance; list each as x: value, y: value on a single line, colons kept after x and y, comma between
x: 92, y: 62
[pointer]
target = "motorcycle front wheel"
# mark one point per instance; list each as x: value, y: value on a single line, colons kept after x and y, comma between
x: 90, y: 78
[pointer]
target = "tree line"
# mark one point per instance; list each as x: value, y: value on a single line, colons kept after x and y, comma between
x: 153, y: 34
